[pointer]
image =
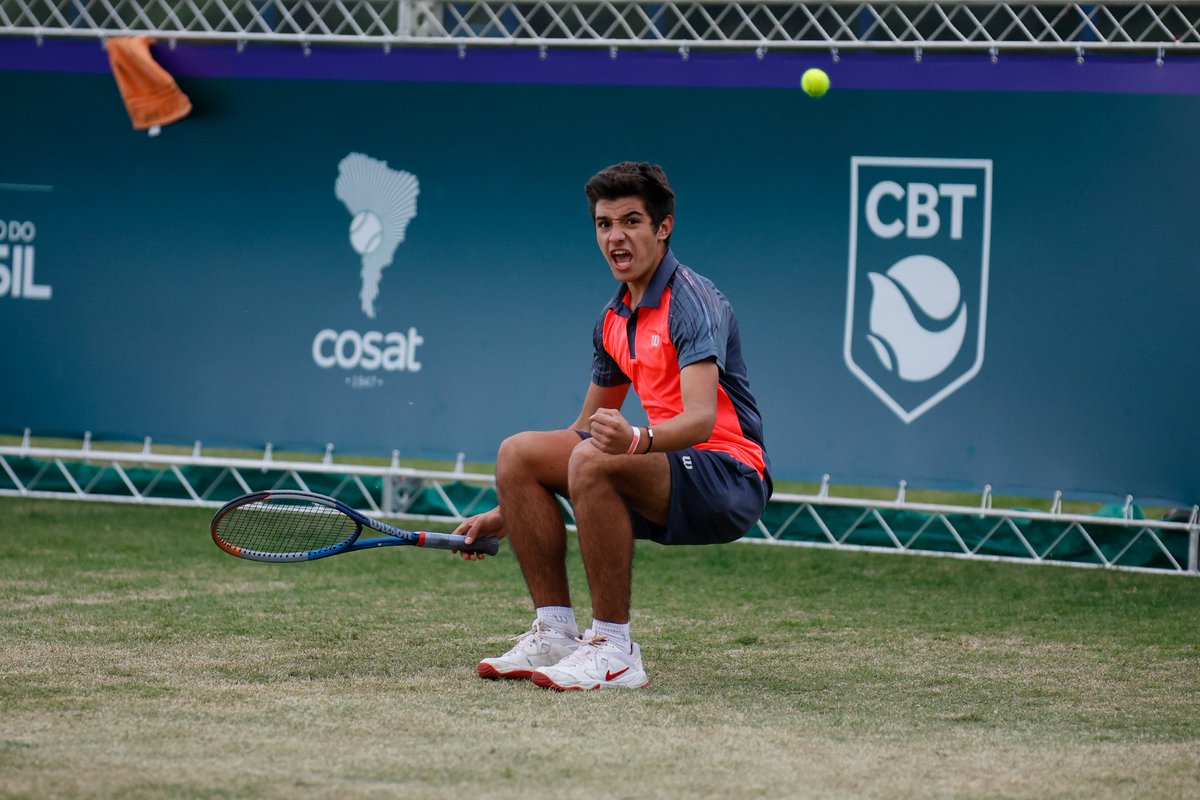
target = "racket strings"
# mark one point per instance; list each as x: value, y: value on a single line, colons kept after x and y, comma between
x: 274, y: 526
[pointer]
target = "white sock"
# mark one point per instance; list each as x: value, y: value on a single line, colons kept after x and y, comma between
x: 561, y: 618
x: 617, y: 632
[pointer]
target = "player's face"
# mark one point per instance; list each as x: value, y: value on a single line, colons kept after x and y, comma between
x: 628, y: 241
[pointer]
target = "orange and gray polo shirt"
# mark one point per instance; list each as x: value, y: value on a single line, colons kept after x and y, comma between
x: 682, y: 319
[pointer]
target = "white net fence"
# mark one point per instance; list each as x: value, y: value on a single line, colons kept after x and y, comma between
x: 702, y: 24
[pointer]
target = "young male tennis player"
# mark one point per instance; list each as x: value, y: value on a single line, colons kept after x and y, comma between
x: 696, y: 474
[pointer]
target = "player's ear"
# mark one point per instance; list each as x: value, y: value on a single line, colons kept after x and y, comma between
x: 664, y: 228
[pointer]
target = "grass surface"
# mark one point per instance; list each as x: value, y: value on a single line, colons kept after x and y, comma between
x: 136, y: 660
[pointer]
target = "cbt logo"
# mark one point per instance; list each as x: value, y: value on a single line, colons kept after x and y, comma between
x: 17, y: 261
x: 916, y: 308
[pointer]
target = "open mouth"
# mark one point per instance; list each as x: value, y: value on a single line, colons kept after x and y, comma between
x: 621, y: 258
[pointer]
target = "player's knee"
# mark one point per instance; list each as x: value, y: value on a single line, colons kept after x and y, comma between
x: 527, y: 456
x: 588, y: 464
x: 515, y: 455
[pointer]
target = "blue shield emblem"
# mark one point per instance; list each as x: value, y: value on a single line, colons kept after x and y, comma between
x: 916, y: 308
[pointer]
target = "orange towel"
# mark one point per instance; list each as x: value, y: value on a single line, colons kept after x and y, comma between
x: 150, y: 93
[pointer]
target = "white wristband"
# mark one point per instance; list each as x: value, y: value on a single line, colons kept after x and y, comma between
x: 637, y: 437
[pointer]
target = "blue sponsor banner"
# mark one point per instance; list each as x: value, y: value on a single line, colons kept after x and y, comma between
x: 992, y: 279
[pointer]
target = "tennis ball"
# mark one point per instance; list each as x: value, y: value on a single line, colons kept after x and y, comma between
x: 814, y: 82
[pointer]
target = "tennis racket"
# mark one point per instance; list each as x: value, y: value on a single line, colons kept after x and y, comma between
x: 286, y: 525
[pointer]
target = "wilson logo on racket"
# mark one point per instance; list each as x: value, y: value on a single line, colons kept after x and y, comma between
x: 916, y: 307
x: 285, y: 525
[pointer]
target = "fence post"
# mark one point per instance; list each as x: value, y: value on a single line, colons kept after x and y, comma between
x: 1194, y: 541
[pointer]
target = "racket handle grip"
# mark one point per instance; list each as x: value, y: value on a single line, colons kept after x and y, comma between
x: 484, y: 544
x: 450, y: 541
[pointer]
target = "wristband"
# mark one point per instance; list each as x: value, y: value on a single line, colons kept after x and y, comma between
x: 637, y: 437
x: 649, y: 438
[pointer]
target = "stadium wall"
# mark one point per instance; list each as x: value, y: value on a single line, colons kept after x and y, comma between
x: 950, y: 271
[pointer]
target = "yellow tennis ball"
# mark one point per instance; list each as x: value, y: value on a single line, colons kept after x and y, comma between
x: 814, y: 82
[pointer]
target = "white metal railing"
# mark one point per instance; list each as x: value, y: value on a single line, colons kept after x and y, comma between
x: 969, y: 25
x: 146, y: 477
x: 817, y: 520
x: 988, y: 524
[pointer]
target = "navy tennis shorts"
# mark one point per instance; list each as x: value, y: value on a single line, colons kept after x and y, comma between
x: 714, y: 499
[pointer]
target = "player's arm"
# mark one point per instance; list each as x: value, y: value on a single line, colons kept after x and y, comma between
x: 599, y: 397
x: 613, y: 434
x: 698, y: 387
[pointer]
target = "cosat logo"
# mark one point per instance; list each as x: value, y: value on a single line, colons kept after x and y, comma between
x: 916, y: 308
x: 17, y: 262
x: 381, y: 202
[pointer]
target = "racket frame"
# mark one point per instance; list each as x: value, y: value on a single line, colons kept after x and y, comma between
x: 394, y: 536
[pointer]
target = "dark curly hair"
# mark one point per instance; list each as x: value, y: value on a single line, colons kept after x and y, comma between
x: 633, y: 179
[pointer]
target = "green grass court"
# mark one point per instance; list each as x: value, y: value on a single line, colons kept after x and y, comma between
x: 136, y: 660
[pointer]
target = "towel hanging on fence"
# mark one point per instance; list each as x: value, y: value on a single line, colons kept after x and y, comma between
x: 150, y: 93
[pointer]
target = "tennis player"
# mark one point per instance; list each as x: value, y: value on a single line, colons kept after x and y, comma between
x: 696, y: 473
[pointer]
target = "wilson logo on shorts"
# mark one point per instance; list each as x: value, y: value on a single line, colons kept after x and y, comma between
x: 916, y: 308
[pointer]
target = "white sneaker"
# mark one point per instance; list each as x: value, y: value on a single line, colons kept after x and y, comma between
x: 540, y: 646
x: 597, y: 662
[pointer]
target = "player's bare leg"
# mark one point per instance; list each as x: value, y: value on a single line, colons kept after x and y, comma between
x: 602, y: 488
x: 530, y: 468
